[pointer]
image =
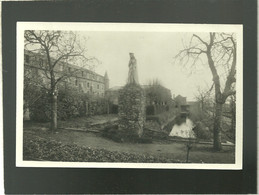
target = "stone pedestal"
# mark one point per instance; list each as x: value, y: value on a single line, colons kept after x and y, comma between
x: 132, y: 113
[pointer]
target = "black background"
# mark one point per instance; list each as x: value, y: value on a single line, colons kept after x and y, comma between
x: 80, y: 180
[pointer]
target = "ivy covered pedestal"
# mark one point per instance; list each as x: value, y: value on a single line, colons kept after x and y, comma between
x: 132, y: 114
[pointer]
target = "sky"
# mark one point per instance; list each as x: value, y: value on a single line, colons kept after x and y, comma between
x: 154, y: 52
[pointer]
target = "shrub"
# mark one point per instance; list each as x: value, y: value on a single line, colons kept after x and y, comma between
x: 97, y: 106
x: 179, y: 119
x: 41, y: 109
x: 158, y: 135
x: 202, y: 132
x: 71, y: 103
x: 112, y: 132
x: 36, y: 148
x: 150, y: 110
x: 114, y: 109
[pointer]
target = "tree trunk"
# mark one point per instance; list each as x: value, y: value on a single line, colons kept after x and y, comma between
x: 217, y: 127
x: 108, y: 108
x: 54, y: 110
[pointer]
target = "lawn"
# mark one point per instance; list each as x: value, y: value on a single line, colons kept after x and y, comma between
x: 67, y: 145
x: 78, y: 122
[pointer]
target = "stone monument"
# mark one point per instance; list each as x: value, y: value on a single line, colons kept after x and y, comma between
x: 131, y: 103
x: 133, y: 74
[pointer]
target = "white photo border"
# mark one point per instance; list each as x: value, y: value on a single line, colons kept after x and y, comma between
x: 127, y: 27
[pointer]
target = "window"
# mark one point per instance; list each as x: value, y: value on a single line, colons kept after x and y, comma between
x: 82, y: 73
x: 27, y: 58
x: 69, y: 69
x: 76, y: 82
x: 88, y: 85
x: 97, y: 86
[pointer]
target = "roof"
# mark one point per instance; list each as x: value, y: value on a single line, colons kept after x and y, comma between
x: 192, y: 102
x: 70, y: 65
x: 115, y: 88
x: 179, y: 96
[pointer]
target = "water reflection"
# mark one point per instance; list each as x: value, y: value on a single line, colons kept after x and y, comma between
x: 183, y: 130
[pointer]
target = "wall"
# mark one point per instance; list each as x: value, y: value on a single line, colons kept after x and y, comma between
x: 158, y: 98
x: 85, y: 80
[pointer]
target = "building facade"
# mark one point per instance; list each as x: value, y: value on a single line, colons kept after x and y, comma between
x: 158, y: 98
x: 184, y: 106
x: 81, y: 78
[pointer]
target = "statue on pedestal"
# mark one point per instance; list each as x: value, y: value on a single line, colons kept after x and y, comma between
x: 131, y: 105
x: 133, y: 75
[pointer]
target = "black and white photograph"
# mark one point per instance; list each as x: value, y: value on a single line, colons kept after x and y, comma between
x: 128, y: 95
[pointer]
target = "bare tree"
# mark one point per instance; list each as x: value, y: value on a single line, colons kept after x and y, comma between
x: 203, y: 96
x: 219, y: 50
x: 229, y: 112
x: 57, y: 47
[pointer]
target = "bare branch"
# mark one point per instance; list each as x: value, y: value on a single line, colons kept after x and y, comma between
x: 201, y: 40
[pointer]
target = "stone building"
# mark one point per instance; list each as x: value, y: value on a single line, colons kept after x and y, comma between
x: 181, y: 104
x: 81, y: 78
x: 184, y: 106
x: 158, y: 98
x: 75, y: 77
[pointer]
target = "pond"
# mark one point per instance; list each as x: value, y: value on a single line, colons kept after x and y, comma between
x: 184, y: 129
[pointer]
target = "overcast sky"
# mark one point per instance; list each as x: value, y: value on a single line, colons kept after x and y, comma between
x: 154, y: 52
x: 154, y: 46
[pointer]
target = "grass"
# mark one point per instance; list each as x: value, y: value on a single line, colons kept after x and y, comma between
x: 37, y: 140
x: 78, y: 122
x: 54, y: 146
x: 42, y: 149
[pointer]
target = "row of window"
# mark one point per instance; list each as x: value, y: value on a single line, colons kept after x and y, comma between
x: 61, y: 68
x: 35, y: 72
x: 85, y: 75
x: 98, y: 86
x: 96, y: 93
x: 28, y: 60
